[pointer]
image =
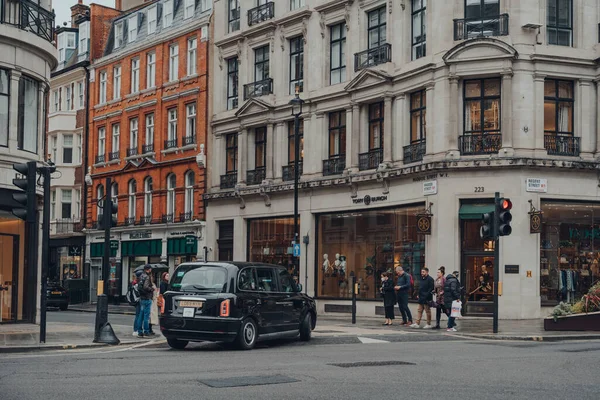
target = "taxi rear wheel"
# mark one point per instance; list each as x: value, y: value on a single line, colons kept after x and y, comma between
x: 177, y: 344
x: 246, y: 338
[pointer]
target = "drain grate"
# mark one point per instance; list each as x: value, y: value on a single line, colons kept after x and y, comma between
x: 241, y: 381
x: 371, y: 364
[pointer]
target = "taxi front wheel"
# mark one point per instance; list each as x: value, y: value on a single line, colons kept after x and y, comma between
x: 177, y: 344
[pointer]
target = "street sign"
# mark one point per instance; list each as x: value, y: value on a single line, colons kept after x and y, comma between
x: 296, y: 249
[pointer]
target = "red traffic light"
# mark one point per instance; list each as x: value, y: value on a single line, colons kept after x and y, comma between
x: 506, y: 204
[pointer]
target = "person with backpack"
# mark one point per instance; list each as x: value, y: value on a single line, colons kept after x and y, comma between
x: 403, y: 287
x: 146, y: 294
x: 133, y: 297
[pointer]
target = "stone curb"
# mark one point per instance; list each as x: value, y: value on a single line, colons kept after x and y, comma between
x: 94, y: 311
x: 41, y: 347
x: 531, y: 338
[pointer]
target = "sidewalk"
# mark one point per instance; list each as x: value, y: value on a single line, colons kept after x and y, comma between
x: 122, y: 308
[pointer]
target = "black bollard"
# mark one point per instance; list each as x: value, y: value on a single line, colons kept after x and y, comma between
x: 354, y: 293
x: 101, y: 316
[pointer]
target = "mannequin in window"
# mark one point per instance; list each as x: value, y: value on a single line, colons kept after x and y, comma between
x: 326, y: 264
x: 336, y: 265
x: 485, y: 274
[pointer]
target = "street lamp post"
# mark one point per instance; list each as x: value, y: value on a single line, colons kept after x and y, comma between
x: 296, y: 104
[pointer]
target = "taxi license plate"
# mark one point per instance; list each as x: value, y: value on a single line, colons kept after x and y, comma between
x: 191, y: 303
x: 189, y: 312
x: 55, y: 293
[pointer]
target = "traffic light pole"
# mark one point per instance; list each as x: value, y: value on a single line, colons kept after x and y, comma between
x: 107, y: 222
x: 45, y: 172
x: 496, y: 262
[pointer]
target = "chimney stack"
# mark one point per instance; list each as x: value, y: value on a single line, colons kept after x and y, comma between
x: 78, y: 10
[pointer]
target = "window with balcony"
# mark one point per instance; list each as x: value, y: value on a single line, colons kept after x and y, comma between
x: 67, y: 153
x: 116, y: 137
x: 374, y: 156
x: 102, y: 91
x: 133, y: 137
x: 190, y: 124
x: 189, y: 8
x: 132, y: 189
x: 336, y: 163
x: 171, y: 185
x: 132, y: 28
x: 559, y: 104
x: 192, y: 59
x: 172, y: 129
x: 296, y: 4
x: 135, y: 75
x: 168, y: 9
x: 147, y: 200
x: 28, y: 115
x: 173, y: 62
x: 5, y: 106
x: 119, y: 35
x: 262, y: 84
x: 419, y: 28
x: 257, y: 175
x: 288, y: 170
x: 232, y: 83
x: 233, y: 15
x: 263, y: 11
x: 378, y: 51
x: 66, y: 199
x: 190, y: 181
x: 337, y: 58
x: 150, y: 70
x: 229, y: 180
x: 149, y: 139
x: 481, y: 133
x: 116, y: 83
x: 296, y: 64
x: 418, y: 127
x: 482, y: 19
x: 559, y: 26
x: 101, y: 145
x: 152, y: 18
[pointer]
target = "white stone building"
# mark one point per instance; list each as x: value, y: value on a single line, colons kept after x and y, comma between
x: 27, y: 57
x: 412, y: 106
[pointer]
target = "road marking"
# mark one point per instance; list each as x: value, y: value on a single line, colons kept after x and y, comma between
x: 371, y: 341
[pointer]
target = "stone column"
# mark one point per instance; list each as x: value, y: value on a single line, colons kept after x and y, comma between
x: 350, y: 150
x: 587, y: 118
x: 400, y: 127
x: 312, y: 140
x: 279, y: 143
x: 507, y: 115
x: 355, y: 138
x: 242, y: 155
x: 270, y: 151
x: 13, y: 109
x: 429, y: 119
x: 42, y: 87
x: 387, y: 130
x: 538, y: 85
x: 163, y: 254
x: 452, y: 139
x: 219, y: 160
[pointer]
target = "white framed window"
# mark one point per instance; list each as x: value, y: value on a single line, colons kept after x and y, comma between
x: 192, y: 59
x: 67, y: 149
x: 148, y: 197
x: 190, y: 121
x: 114, y: 193
x: 150, y: 70
x: 205, y: 5
x: 189, y: 194
x: 171, y: 184
x: 101, y: 141
x: 135, y: 75
x: 66, y: 41
x: 68, y: 98
x: 65, y: 199
x: 296, y: 4
x: 102, y: 91
x: 173, y: 62
x: 172, y: 131
x: 133, y: 133
x: 152, y: 17
x: 77, y: 156
x: 53, y: 205
x: 53, y: 148
x: 80, y: 91
x: 116, y: 135
x: 149, y: 129
x: 99, y: 196
x: 132, y: 189
x: 116, y: 83
x: 84, y: 35
x: 168, y: 13
x: 118, y: 35
x: 77, y: 210
x: 132, y: 27
x: 56, y: 102
x: 189, y: 9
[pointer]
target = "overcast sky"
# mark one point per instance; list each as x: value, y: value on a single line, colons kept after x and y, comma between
x: 62, y: 8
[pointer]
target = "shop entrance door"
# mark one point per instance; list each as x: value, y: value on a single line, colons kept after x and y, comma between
x: 94, y: 276
x: 9, y: 272
x: 477, y: 278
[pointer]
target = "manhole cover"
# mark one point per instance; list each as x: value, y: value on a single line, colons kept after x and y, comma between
x: 371, y: 364
x: 248, y: 381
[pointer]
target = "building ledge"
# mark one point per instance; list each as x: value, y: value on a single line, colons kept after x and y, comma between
x: 180, y: 149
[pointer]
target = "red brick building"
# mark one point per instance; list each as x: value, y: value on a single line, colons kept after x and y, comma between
x: 148, y: 122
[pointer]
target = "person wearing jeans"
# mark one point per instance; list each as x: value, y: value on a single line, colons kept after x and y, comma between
x: 451, y: 293
x: 146, y: 294
x: 402, y: 288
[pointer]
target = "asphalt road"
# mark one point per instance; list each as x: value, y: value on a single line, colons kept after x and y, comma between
x: 445, y: 369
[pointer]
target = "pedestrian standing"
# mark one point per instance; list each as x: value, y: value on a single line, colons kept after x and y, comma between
x: 146, y: 293
x: 451, y: 293
x: 403, y: 286
x: 439, y: 296
x: 154, y: 309
x: 389, y: 297
x: 163, y: 287
x: 136, y: 321
x: 426, y: 288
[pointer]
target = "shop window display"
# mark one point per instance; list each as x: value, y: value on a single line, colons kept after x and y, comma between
x: 271, y: 242
x: 365, y: 244
x: 70, y: 262
x: 569, y: 251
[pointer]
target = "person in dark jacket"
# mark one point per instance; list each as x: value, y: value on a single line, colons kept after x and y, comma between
x: 146, y: 293
x: 402, y: 288
x: 389, y: 297
x: 451, y: 293
x: 426, y: 288
x: 136, y: 320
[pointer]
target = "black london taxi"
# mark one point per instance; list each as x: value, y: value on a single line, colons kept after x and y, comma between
x: 234, y: 302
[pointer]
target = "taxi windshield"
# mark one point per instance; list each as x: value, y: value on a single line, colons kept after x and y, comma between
x: 199, y: 278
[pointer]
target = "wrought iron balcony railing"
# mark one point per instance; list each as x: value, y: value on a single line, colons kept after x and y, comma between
x: 100, y: 159
x: 113, y: 155
x: 145, y: 219
x: 130, y: 221
x: 65, y: 226
x: 170, y: 144
x: 471, y: 145
x: 334, y: 166
x: 256, y: 176
x: 257, y: 89
x: 28, y: 16
x: 168, y: 218
x: 147, y: 148
x: 229, y: 180
x: 132, y: 152
x: 185, y: 217
x: 261, y: 13
x: 470, y: 28
x: 372, y: 57
x: 189, y: 140
x: 562, y: 145
x: 288, y: 171
x: 414, y: 152
x: 370, y: 160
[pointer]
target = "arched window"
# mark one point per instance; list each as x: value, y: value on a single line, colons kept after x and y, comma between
x: 148, y: 199
x: 132, y: 189
x: 171, y: 183
x: 114, y: 193
x: 99, y: 195
x: 190, y: 179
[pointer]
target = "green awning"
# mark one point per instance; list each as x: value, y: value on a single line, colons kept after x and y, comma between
x: 97, y: 249
x: 474, y: 211
x: 141, y: 248
x: 182, y: 246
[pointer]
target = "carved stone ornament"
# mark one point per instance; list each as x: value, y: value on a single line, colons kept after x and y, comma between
x: 271, y: 37
x: 220, y: 58
x: 265, y: 196
x: 239, y: 49
x: 322, y: 24
x: 390, y: 2
x: 282, y: 37
x: 304, y: 29
x: 347, y: 16
x: 237, y: 194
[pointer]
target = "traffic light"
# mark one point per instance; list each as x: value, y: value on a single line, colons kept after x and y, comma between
x: 27, y: 198
x: 487, y: 228
x: 108, y: 216
x: 503, y: 207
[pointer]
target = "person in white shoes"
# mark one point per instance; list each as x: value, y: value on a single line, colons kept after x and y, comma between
x: 426, y: 288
